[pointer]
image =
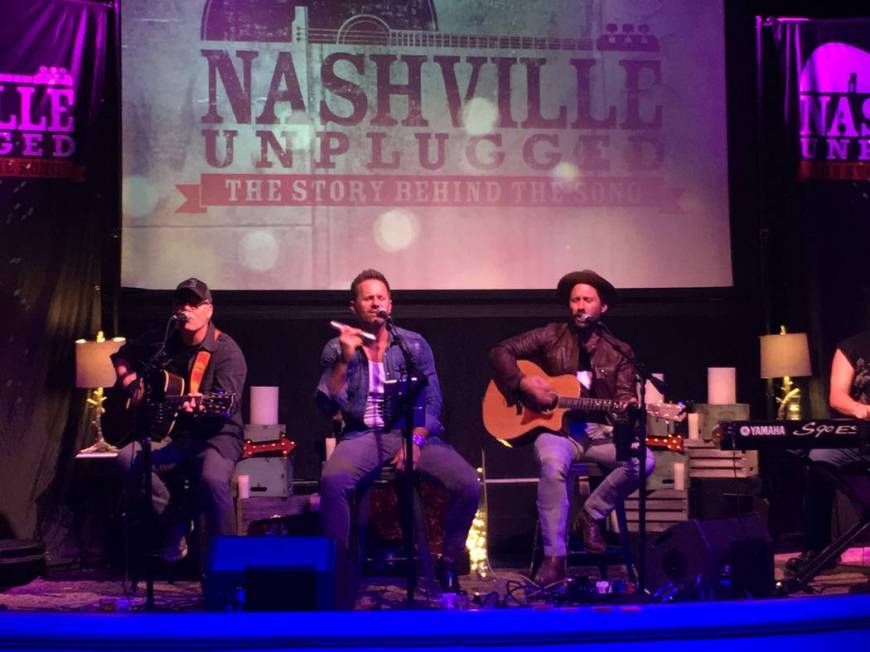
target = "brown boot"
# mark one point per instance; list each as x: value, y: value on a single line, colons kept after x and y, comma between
x: 593, y: 539
x: 552, y: 570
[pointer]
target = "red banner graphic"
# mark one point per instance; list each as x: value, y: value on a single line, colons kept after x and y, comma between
x: 429, y: 191
x: 41, y: 167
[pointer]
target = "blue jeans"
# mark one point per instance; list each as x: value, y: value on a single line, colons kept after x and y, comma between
x: 556, y: 454
x: 357, y: 460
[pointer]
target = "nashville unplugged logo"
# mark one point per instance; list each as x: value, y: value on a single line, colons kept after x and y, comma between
x: 37, y: 125
x: 835, y: 114
x: 419, y: 151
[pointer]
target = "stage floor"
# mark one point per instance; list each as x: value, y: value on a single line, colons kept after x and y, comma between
x: 94, y: 590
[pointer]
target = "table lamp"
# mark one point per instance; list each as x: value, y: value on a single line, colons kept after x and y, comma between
x: 786, y: 356
x: 94, y: 371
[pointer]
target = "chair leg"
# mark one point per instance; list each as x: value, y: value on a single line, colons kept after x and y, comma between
x: 536, y: 550
x: 421, y: 537
x: 625, y: 541
x: 360, y: 505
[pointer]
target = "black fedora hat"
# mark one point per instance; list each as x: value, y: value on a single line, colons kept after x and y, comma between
x: 606, y: 291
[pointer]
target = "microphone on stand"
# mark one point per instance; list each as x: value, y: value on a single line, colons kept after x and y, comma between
x: 179, y: 318
x: 383, y: 314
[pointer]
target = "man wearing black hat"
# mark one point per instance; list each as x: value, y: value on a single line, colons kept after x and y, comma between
x: 575, y: 348
x: 203, y: 443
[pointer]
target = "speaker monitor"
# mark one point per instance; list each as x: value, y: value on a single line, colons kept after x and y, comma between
x: 732, y: 556
x: 21, y: 561
x: 273, y: 573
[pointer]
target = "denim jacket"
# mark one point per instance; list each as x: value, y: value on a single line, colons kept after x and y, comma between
x: 352, y: 401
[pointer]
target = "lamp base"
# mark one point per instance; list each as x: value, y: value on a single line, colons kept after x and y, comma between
x: 99, y: 446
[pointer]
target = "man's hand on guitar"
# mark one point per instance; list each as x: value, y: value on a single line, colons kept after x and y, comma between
x: 192, y: 404
x: 537, y: 393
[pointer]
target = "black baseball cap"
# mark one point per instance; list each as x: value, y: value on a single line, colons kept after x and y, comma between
x: 193, y: 286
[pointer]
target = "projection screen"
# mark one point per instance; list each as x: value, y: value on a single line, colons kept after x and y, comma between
x: 451, y: 144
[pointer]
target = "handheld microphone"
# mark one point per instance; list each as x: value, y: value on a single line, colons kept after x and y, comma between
x: 179, y: 317
x: 337, y: 325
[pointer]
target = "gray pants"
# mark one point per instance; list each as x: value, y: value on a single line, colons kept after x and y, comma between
x: 556, y: 454
x: 209, y: 471
x: 357, y: 460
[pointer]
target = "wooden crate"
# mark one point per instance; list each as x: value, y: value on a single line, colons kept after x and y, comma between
x: 664, y: 508
x: 265, y: 513
x: 707, y: 461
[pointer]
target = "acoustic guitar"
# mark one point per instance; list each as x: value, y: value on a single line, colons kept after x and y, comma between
x: 508, y: 422
x: 158, y: 409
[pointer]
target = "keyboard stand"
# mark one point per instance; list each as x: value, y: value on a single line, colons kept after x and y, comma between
x: 802, y: 579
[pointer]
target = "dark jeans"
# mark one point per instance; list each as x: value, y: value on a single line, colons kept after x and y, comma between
x: 359, y: 456
x: 209, y: 472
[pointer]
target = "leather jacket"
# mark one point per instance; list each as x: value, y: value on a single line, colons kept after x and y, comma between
x: 556, y: 349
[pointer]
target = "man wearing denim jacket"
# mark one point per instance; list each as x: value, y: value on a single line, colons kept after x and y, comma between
x: 355, y: 366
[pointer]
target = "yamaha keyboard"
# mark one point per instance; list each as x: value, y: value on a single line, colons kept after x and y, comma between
x: 815, y: 433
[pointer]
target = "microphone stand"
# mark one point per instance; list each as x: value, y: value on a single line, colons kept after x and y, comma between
x: 411, y: 513
x: 143, y: 436
x: 642, y: 375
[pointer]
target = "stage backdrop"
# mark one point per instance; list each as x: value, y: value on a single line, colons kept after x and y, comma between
x: 274, y: 144
x: 815, y: 94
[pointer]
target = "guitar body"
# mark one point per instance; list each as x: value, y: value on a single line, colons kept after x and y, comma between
x: 154, y: 416
x: 513, y: 422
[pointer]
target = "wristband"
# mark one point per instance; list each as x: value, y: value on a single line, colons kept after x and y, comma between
x: 420, y: 440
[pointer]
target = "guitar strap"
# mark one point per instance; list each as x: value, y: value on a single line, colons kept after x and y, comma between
x: 200, y: 364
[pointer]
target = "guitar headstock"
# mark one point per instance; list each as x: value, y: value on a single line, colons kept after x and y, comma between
x: 672, y: 443
x: 668, y: 411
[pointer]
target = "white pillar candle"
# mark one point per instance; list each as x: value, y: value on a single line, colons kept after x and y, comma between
x: 330, y: 446
x: 721, y: 385
x: 653, y: 396
x: 244, y: 487
x: 264, y: 406
x: 694, y: 425
x: 679, y: 475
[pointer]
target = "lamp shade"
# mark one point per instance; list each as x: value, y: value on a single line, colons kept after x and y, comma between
x: 786, y: 354
x: 93, y: 365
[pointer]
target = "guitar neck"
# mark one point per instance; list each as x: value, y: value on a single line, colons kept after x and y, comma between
x: 590, y: 404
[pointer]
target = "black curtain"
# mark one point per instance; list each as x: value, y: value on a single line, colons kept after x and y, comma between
x: 815, y: 199
x: 55, y: 206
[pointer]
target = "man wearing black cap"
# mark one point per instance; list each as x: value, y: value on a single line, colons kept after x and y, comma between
x: 575, y: 348
x: 205, y: 444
